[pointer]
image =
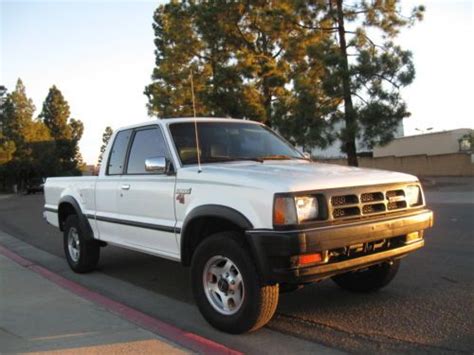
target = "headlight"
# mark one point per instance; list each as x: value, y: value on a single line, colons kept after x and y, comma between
x: 413, y: 195
x: 306, y: 208
x: 290, y: 210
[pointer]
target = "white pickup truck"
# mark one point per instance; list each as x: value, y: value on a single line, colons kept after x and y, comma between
x: 249, y: 213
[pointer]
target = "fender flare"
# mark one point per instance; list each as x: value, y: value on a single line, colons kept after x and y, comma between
x: 83, y: 221
x: 219, y: 211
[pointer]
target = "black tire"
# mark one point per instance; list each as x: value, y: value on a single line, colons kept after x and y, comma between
x: 368, y: 280
x: 89, y: 250
x: 258, y: 302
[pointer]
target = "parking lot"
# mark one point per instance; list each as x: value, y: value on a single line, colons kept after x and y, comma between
x: 428, y: 308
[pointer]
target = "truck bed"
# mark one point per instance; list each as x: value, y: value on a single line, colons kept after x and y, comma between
x: 82, y: 188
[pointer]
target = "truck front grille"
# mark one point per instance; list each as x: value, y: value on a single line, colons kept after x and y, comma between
x: 371, y: 197
x: 344, y: 200
x: 346, y: 212
x: 367, y: 201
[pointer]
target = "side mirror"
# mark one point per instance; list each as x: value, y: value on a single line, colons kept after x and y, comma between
x: 157, y: 165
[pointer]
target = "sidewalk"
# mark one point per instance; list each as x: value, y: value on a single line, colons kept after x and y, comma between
x: 36, y: 315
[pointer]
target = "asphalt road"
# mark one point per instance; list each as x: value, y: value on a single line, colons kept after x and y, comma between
x: 429, y: 307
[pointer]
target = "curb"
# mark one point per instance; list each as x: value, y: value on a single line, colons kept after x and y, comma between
x: 176, y: 335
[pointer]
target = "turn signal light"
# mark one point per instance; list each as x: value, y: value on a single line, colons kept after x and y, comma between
x: 310, y: 258
x: 413, y: 237
x: 284, y: 211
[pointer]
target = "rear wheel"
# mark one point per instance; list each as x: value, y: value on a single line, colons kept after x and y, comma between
x: 226, y: 285
x: 368, y: 280
x: 82, y: 254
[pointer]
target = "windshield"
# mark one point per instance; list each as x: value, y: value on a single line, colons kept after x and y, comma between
x: 229, y: 141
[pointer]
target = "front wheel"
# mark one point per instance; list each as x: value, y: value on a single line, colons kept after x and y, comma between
x: 82, y: 254
x: 368, y: 280
x: 226, y: 285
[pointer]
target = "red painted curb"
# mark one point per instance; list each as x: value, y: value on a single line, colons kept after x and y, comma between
x: 186, y: 339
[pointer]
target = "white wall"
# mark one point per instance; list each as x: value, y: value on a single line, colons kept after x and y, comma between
x: 334, y: 150
x: 436, y: 143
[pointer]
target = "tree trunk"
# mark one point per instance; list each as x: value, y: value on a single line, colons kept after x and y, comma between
x: 267, y: 93
x: 216, y: 107
x: 349, y: 137
x: 267, y: 97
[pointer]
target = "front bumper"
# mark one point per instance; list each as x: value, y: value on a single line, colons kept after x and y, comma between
x: 273, y: 249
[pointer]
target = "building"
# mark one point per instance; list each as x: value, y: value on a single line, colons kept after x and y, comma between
x: 436, y: 143
x: 447, y: 153
x: 333, y: 151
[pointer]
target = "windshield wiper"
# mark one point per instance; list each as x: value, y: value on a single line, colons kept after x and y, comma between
x: 225, y: 159
x: 280, y: 157
x: 257, y: 159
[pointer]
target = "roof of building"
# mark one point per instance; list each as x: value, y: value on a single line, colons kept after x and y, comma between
x: 433, y: 143
x: 435, y: 133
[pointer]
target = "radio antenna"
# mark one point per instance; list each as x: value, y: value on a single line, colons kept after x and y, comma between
x: 198, y: 152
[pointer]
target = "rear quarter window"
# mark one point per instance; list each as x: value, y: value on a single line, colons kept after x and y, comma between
x: 116, y: 162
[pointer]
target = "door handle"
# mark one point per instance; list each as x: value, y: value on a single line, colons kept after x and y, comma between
x: 125, y: 187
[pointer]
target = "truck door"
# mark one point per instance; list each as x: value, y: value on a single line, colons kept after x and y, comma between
x: 146, y: 199
x: 106, y: 189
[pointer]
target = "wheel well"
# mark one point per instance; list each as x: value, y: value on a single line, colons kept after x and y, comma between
x: 199, y: 229
x: 64, y: 211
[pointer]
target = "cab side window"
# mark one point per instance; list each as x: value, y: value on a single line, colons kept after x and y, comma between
x: 118, y: 152
x: 147, y: 143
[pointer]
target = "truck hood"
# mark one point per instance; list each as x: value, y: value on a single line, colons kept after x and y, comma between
x: 295, y: 175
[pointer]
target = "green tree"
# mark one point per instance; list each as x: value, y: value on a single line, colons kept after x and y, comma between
x: 64, y: 130
x: 7, y: 147
x: 17, y: 115
x: 3, y: 94
x: 56, y: 114
x: 42, y: 150
x: 108, y: 132
x: 245, y: 58
x: 26, y: 142
x: 16, y: 121
x: 366, y: 76
x: 280, y: 61
x: 176, y: 44
x: 299, y: 66
x: 77, y: 164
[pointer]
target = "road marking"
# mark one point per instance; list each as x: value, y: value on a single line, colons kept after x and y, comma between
x: 179, y: 336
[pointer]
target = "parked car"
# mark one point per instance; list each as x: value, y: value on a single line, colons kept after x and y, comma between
x: 249, y: 213
x: 34, y: 185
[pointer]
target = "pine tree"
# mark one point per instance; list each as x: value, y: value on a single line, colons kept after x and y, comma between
x: 299, y: 66
x: 65, y: 131
x: 245, y: 58
x: 77, y: 162
x: 17, y: 114
x: 56, y: 114
x: 3, y: 96
x: 176, y: 44
x: 17, y: 118
x: 7, y: 146
x: 365, y: 76
x: 108, y: 132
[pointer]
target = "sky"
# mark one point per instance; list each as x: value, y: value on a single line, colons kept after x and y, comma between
x: 100, y: 54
